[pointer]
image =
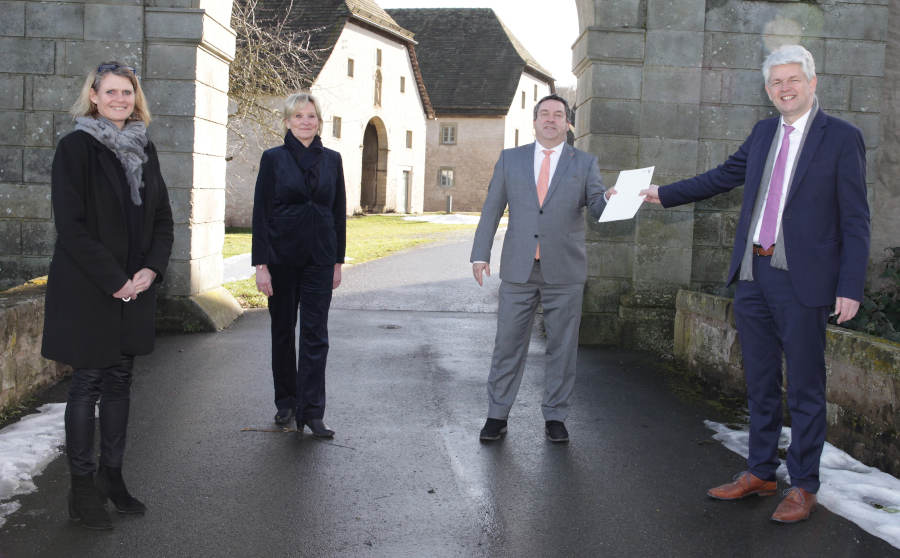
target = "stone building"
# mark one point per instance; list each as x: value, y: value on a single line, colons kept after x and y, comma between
x: 372, y: 101
x: 483, y: 85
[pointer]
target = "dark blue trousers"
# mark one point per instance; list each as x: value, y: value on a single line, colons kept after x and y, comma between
x: 300, y: 378
x: 772, y: 324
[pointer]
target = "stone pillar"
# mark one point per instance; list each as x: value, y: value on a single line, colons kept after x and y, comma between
x: 886, y: 198
x: 188, y: 51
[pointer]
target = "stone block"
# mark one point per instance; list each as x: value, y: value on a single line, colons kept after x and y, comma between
x: 743, y: 87
x: 37, y: 164
x: 38, y: 238
x: 727, y: 122
x: 211, y: 310
x: 207, y: 205
x: 612, y: 231
x: 10, y: 237
x: 103, y: 22
x: 171, y: 97
x: 180, y: 200
x: 861, y: 22
x: 599, y: 329
x: 671, y: 85
x: 669, y: 156
x: 173, y: 134
x: 27, y: 56
x: 670, y: 120
x: 207, y: 239
x: 726, y: 201
x: 10, y: 164
x: 868, y: 123
x: 663, y: 252
x: 710, y: 264
x: 712, y: 153
x: 604, y: 44
x: 833, y: 92
x: 614, y: 152
x: 12, y: 127
x: 55, y: 92
x: 212, y: 70
x: 609, y: 117
x: 711, y: 86
x: 38, y: 129
x: 865, y: 94
x: 56, y: 20
x: 13, y: 22
x: 11, y: 91
x: 611, y: 260
x: 211, y: 139
x: 729, y: 227
x: 854, y: 58
x: 62, y: 125
x: 83, y: 56
x: 181, y: 247
x: 766, y: 18
x: 682, y: 15
x: 189, y: 25
x: 601, y: 294
x: 674, y: 48
x: 172, y: 61
x: 707, y: 228
x: 733, y: 51
x: 25, y: 201
x: 615, y: 82
x: 612, y: 15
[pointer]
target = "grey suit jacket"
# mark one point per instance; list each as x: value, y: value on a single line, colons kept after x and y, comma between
x: 559, y: 224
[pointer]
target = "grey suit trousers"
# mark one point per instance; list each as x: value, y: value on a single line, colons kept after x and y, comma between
x: 515, y: 317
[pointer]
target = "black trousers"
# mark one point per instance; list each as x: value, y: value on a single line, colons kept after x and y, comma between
x: 112, y: 386
x: 299, y: 376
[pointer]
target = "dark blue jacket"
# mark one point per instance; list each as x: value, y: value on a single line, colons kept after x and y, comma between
x: 826, y: 216
x: 295, y: 222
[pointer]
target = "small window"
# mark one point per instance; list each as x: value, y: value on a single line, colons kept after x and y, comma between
x: 517, y: 137
x: 535, y: 92
x: 402, y: 84
x: 448, y: 134
x: 445, y: 177
x: 336, y: 126
x: 377, y: 88
x: 378, y: 57
x: 523, y: 99
x: 349, y: 67
x: 409, y: 139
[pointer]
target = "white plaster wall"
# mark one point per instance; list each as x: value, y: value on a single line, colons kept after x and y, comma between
x: 352, y: 99
x: 523, y: 118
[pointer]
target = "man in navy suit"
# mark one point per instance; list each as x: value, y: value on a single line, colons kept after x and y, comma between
x: 801, y: 248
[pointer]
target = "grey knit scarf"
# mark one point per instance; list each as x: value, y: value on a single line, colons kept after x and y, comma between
x: 128, y: 144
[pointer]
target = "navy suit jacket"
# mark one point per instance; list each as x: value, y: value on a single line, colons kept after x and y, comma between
x: 295, y: 222
x: 825, y: 223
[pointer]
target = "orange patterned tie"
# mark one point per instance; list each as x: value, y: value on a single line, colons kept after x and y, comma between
x: 543, y: 182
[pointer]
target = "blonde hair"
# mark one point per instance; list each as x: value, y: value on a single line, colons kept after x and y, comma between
x: 297, y: 100
x: 85, y: 107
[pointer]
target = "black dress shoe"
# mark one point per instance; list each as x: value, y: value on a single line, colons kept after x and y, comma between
x: 494, y: 429
x: 283, y: 417
x: 318, y: 427
x: 556, y: 431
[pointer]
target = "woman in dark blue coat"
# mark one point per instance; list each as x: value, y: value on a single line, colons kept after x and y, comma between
x: 299, y: 239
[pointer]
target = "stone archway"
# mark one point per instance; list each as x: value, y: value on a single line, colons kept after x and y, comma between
x: 373, y: 179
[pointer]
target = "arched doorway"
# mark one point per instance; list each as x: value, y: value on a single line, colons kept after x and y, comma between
x: 373, y: 182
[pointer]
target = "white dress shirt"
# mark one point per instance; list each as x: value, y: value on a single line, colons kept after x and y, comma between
x: 539, y: 160
x: 794, y: 147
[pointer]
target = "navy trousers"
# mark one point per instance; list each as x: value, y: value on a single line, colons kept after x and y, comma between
x: 771, y: 324
x: 299, y: 376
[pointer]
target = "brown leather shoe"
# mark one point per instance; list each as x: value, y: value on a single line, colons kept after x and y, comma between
x: 796, y: 506
x: 745, y: 484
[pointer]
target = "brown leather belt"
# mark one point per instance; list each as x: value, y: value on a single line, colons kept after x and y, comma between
x: 760, y: 251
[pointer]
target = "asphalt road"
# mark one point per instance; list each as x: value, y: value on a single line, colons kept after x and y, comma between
x: 411, y: 337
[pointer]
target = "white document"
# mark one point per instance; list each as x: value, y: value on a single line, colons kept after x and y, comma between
x: 627, y: 201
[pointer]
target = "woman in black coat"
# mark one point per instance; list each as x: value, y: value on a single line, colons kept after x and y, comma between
x: 299, y: 237
x: 114, y: 236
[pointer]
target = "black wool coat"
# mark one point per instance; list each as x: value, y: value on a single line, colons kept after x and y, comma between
x: 84, y: 326
x: 294, y: 222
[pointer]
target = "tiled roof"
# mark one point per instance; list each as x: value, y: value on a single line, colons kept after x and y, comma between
x: 470, y: 61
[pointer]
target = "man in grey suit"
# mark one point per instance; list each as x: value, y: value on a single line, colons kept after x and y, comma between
x: 546, y: 185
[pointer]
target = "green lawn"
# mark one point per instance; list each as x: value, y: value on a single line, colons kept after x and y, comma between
x: 369, y: 237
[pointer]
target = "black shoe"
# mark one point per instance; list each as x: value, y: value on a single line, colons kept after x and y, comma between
x: 110, y: 484
x: 556, y: 431
x: 86, y: 504
x: 494, y: 429
x: 283, y: 417
x: 318, y: 427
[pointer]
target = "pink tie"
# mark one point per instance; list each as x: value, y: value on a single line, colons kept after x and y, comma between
x: 773, y: 199
x: 543, y: 182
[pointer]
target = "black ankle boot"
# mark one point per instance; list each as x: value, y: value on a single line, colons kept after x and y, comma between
x: 319, y: 428
x: 86, y: 504
x: 111, y: 485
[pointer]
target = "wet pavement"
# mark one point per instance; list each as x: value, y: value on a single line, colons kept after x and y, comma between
x: 411, y: 337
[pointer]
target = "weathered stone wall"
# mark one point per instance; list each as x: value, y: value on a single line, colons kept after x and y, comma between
x: 863, y: 376
x: 23, y: 370
x: 676, y: 84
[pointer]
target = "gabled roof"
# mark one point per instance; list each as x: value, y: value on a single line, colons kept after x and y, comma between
x: 470, y: 61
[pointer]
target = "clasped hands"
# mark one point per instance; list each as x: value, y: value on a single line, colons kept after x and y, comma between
x: 136, y: 285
